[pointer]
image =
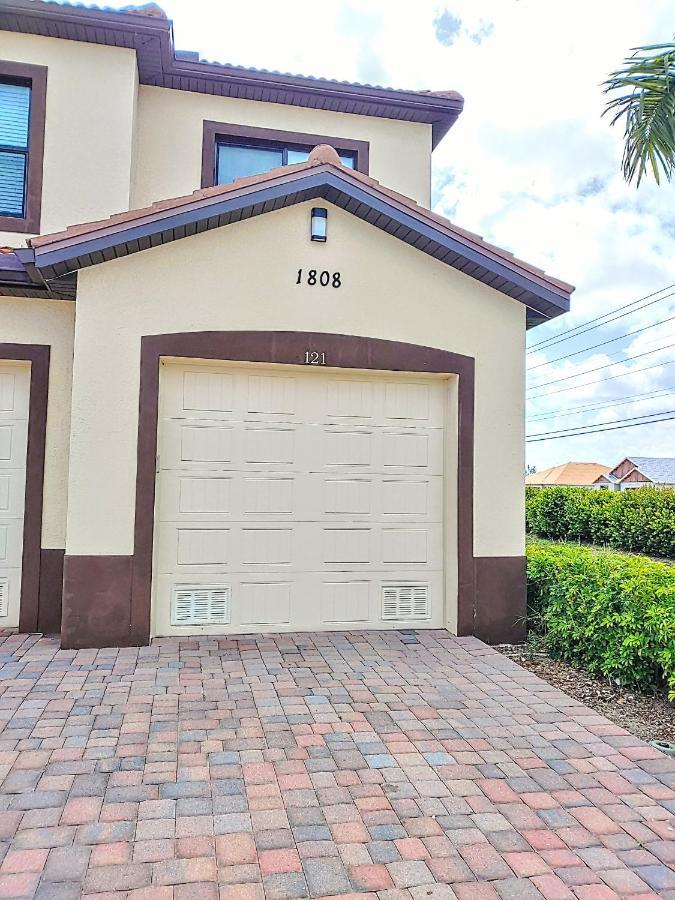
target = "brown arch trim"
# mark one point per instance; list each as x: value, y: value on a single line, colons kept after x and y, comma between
x: 38, y: 356
x: 289, y: 347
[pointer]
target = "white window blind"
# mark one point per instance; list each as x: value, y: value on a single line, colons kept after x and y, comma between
x: 14, y: 123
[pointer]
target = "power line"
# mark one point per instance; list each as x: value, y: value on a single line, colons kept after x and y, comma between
x: 664, y: 412
x: 575, y: 387
x: 632, y: 398
x: 589, y: 326
x: 621, y: 337
x: 557, y: 437
x: 599, y: 368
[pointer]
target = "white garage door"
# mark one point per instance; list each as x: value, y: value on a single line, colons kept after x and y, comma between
x: 298, y: 499
x: 14, y: 394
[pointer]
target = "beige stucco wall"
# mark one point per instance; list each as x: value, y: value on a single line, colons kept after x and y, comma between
x: 243, y: 277
x: 52, y: 322
x: 170, y: 126
x: 91, y: 91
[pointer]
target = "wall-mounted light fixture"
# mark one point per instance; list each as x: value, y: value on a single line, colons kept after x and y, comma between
x: 319, y: 223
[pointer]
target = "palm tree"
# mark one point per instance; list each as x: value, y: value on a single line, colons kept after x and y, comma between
x: 646, y: 101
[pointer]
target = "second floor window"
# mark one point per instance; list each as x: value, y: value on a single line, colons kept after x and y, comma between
x: 23, y: 107
x: 14, y: 129
x: 240, y: 160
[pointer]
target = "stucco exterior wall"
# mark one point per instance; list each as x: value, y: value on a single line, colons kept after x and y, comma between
x: 169, y: 146
x: 244, y: 277
x: 91, y: 95
x: 51, y: 322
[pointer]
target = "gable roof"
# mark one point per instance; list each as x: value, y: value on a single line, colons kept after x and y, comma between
x: 658, y: 469
x: 51, y: 256
x: 571, y: 473
x: 147, y: 30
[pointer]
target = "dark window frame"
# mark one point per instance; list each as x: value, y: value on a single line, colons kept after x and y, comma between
x: 36, y: 76
x: 222, y: 132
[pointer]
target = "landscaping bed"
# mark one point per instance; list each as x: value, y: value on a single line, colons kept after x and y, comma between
x: 601, y: 628
x: 650, y: 717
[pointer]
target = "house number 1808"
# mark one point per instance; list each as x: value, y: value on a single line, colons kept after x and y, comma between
x: 313, y: 276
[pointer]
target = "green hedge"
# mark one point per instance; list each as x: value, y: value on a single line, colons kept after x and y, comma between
x: 611, y: 613
x: 640, y: 520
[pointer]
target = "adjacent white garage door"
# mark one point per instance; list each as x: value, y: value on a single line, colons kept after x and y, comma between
x: 298, y: 499
x: 14, y: 394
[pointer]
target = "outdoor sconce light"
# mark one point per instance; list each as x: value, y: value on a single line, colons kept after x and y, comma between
x: 319, y: 223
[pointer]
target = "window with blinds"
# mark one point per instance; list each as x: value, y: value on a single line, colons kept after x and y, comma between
x: 14, y: 123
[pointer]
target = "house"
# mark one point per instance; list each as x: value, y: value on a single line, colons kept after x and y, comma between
x: 250, y: 382
x: 639, y: 471
x: 575, y: 474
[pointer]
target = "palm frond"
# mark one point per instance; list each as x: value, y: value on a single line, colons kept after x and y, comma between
x: 646, y: 101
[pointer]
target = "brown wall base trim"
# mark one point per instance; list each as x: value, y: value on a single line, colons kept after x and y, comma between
x: 51, y: 591
x: 97, y: 602
x: 501, y: 587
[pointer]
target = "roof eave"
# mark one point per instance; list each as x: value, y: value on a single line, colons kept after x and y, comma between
x: 116, y: 239
x: 151, y: 37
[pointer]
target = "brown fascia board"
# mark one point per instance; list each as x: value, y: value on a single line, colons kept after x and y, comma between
x: 52, y: 256
x: 19, y: 280
x: 160, y: 65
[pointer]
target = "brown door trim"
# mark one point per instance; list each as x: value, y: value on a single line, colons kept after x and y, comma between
x: 38, y: 356
x: 289, y: 347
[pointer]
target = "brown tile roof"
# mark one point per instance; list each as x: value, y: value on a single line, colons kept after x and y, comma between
x: 148, y: 31
x: 571, y: 473
x: 286, y: 173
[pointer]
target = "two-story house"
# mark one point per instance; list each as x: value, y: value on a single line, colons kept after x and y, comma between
x: 248, y: 381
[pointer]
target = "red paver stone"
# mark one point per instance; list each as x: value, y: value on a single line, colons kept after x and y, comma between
x: 236, y: 849
x: 23, y: 884
x: 350, y: 833
x: 23, y: 861
x: 552, y: 888
x: 370, y: 878
x: 411, y: 848
x: 525, y: 865
x: 81, y: 810
x: 277, y: 862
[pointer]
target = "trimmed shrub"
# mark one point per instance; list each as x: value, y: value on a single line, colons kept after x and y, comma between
x: 611, y: 613
x: 640, y: 520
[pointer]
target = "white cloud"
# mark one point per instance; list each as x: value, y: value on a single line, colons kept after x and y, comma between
x: 531, y: 163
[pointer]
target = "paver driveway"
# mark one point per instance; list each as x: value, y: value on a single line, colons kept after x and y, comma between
x: 400, y: 764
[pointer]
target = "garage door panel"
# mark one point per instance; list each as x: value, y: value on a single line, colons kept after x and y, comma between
x: 311, y: 601
x: 265, y: 604
x: 298, y: 500
x: 13, y: 439
x: 205, y: 546
x: 307, y: 497
x: 14, y: 392
x: 237, y: 446
x: 14, y: 400
x: 12, y: 493
x: 271, y: 445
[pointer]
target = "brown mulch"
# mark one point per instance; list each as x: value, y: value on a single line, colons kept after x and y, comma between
x: 651, y: 718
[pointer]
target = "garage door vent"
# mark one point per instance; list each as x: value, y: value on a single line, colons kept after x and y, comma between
x: 4, y: 597
x: 201, y: 605
x: 405, y: 601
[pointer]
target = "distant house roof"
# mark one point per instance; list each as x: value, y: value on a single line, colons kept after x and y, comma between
x: 147, y: 30
x: 571, y: 473
x: 658, y: 469
x: 52, y: 256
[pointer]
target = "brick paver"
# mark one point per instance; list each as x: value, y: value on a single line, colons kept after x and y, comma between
x: 391, y: 766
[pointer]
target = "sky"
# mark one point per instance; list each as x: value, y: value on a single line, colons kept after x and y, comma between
x: 531, y: 165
